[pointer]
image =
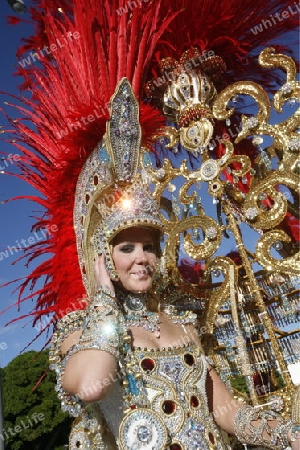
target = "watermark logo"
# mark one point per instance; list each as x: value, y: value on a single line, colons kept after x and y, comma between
x: 8, y: 161
x: 33, y: 57
x: 48, y: 320
x: 275, y: 18
x: 3, y: 346
x: 83, y: 121
x: 26, y: 243
x: 130, y: 5
x: 30, y: 422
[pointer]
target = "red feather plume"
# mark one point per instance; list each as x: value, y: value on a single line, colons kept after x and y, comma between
x: 233, y: 29
x: 79, y: 57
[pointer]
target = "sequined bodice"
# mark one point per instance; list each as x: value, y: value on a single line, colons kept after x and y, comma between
x: 162, y: 404
x: 174, y: 380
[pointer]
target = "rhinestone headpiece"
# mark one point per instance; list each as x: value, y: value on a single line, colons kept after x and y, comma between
x: 135, y: 206
x: 112, y: 194
x: 187, y: 91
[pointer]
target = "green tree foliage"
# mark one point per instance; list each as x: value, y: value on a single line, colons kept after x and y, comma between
x: 239, y: 383
x: 33, y: 419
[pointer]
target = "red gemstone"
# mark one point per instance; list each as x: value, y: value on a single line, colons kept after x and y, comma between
x: 211, y: 438
x: 194, y: 401
x: 168, y: 406
x: 147, y: 364
x: 189, y: 359
x: 175, y: 447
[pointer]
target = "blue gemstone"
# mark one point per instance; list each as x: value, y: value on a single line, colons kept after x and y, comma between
x: 146, y: 159
x: 132, y: 385
x: 103, y: 155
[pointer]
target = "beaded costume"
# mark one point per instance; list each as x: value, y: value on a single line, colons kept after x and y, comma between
x: 154, y: 412
x: 171, y: 386
x: 137, y: 85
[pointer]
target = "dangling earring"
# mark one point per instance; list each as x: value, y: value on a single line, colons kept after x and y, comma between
x: 163, y: 268
x: 157, y: 271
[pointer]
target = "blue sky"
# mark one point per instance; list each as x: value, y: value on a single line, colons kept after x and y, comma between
x: 15, y: 220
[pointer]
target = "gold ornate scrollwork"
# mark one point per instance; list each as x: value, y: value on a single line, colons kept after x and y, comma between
x: 280, y: 97
x: 229, y: 151
x: 268, y: 58
x: 271, y: 190
x: 220, y: 294
x: 290, y: 265
x: 245, y: 163
x: 250, y: 88
x: 197, y: 134
x: 173, y: 135
x: 212, y: 240
x: 272, y: 217
x: 184, y: 197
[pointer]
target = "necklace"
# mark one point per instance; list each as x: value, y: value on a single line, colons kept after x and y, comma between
x: 137, y: 315
x: 181, y: 317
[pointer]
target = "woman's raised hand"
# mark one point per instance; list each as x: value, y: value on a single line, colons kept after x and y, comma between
x: 101, y: 275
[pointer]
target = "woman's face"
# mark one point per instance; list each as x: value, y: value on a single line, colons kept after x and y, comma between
x: 135, y: 259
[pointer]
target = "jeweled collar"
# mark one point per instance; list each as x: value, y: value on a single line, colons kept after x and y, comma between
x: 136, y: 313
x: 135, y: 302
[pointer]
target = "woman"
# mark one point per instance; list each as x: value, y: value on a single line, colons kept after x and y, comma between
x: 187, y: 397
x: 171, y: 397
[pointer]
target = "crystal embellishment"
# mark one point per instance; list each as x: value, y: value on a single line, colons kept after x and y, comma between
x: 251, y: 213
x: 257, y: 140
x: 211, y: 233
x: 278, y: 245
x: 124, y: 132
x: 286, y: 89
x: 294, y: 144
x: 142, y: 428
x: 169, y: 407
x: 209, y: 170
x: 135, y: 207
x: 147, y: 364
x: 251, y: 122
x: 144, y: 434
x: 103, y: 155
x: 134, y: 303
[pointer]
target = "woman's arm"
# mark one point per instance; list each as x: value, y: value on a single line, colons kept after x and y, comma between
x: 89, y: 374
x: 250, y: 425
x: 91, y: 367
x: 222, y: 404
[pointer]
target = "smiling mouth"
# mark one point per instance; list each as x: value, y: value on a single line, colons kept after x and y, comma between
x: 141, y: 274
